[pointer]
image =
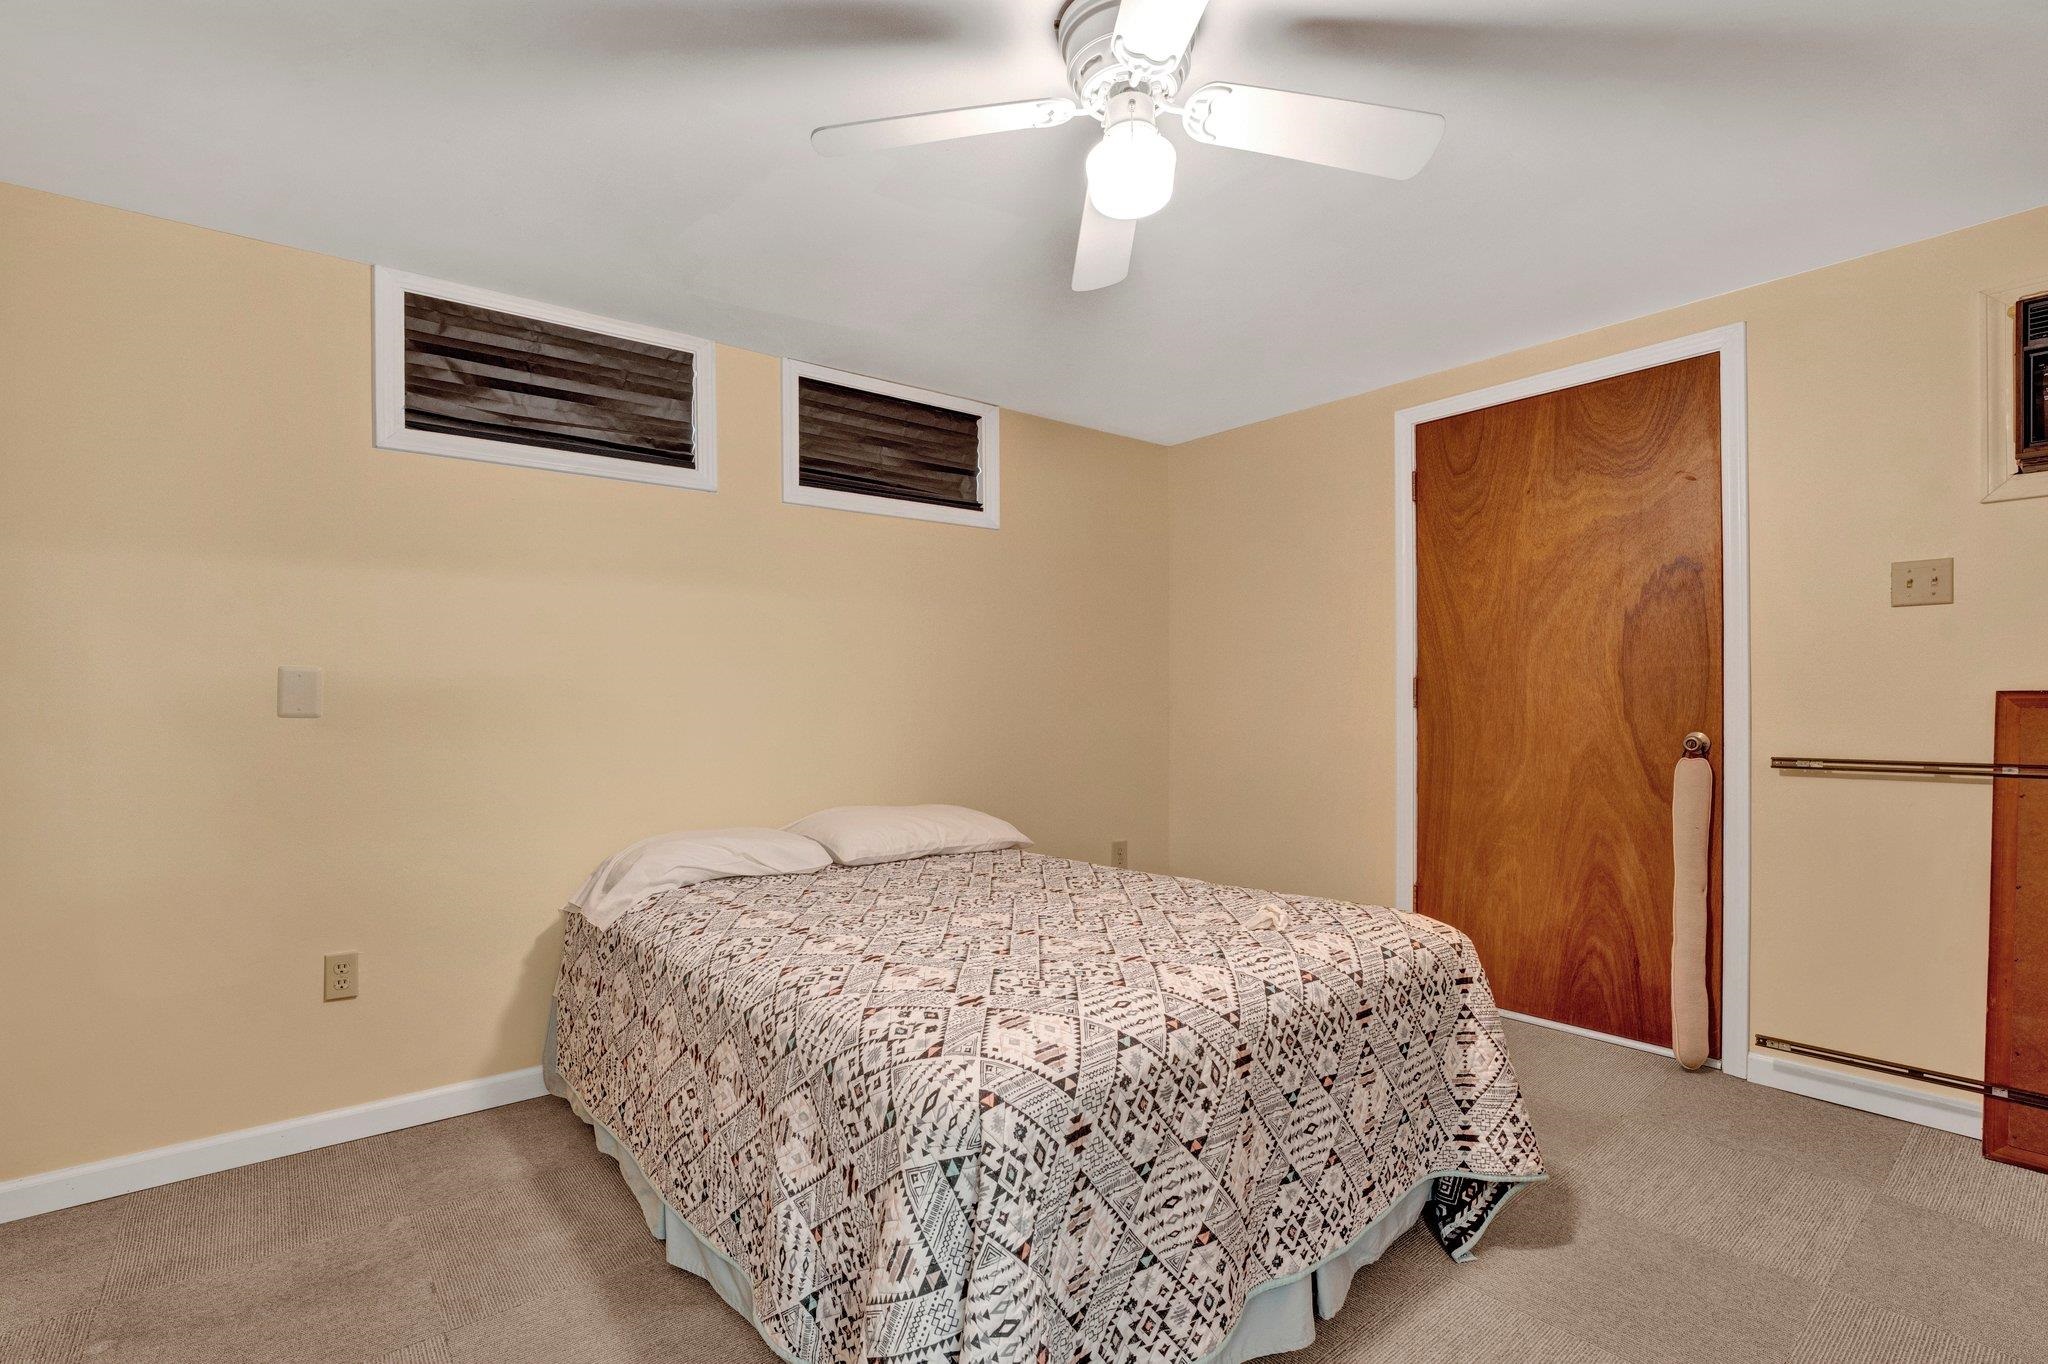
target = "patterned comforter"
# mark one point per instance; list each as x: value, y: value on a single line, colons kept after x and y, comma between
x: 997, y: 1106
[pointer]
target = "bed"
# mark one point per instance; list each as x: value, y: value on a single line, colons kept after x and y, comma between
x: 1007, y: 1107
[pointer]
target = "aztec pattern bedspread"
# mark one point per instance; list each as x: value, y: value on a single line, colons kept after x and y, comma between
x: 1001, y: 1107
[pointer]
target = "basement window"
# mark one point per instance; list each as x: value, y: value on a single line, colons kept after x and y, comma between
x: 859, y: 444
x: 480, y: 375
x: 2030, y: 353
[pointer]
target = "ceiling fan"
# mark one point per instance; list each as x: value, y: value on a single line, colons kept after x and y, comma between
x: 1126, y: 62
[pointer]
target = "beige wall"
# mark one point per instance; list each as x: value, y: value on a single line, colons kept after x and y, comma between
x: 1869, y: 895
x: 524, y: 670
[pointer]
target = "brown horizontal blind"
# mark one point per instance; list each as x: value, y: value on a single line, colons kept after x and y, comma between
x: 853, y: 441
x: 2031, y: 322
x: 473, y: 371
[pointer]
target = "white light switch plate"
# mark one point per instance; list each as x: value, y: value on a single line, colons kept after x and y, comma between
x: 1924, y: 582
x: 298, y: 693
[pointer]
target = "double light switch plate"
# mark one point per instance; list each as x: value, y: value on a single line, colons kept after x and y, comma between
x: 1924, y: 582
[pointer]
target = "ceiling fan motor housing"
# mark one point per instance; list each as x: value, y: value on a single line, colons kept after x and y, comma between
x: 1128, y: 104
x: 1086, y: 30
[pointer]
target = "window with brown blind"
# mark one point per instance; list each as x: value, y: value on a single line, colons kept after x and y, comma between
x: 2030, y: 352
x: 470, y: 373
x: 859, y: 444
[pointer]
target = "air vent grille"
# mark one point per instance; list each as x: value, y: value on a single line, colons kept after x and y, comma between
x: 2034, y: 321
x: 2031, y: 374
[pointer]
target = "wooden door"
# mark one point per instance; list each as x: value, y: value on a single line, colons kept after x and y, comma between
x: 1568, y: 562
x: 2016, y: 1026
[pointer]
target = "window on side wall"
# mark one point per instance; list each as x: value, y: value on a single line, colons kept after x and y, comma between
x: 859, y: 444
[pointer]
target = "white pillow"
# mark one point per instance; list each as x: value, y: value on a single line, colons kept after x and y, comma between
x: 655, y: 866
x: 860, y: 835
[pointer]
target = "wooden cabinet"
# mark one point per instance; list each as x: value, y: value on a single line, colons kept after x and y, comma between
x: 2016, y: 1030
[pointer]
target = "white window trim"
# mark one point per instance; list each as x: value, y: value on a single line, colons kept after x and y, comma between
x: 389, y: 388
x: 987, y: 481
x: 2003, y: 481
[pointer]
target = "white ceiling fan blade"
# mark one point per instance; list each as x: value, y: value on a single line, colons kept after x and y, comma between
x: 908, y: 130
x: 1103, y: 256
x: 1377, y: 139
x: 1158, y: 31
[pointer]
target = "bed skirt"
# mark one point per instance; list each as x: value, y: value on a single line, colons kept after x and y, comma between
x: 1280, y: 1315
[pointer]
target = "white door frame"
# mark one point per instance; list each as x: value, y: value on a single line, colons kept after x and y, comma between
x: 1733, y: 742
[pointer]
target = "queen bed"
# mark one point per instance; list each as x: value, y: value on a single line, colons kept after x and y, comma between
x: 997, y: 1106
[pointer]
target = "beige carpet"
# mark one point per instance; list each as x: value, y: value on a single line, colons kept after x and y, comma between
x: 1688, y: 1217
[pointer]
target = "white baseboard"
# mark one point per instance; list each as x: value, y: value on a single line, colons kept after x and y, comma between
x: 77, y: 1184
x: 1958, y: 1114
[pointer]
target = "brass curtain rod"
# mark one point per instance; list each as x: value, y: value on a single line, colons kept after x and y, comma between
x: 1943, y: 1078
x: 1886, y: 766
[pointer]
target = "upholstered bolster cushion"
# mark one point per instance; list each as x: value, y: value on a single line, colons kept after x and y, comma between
x: 1692, y: 820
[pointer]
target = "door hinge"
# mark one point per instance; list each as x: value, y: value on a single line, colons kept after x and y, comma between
x: 1415, y: 692
x: 1415, y: 485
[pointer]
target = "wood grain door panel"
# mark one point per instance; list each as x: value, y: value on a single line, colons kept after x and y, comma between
x: 2016, y: 1024
x: 1568, y: 575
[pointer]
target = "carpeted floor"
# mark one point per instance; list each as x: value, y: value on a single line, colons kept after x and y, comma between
x: 1687, y: 1217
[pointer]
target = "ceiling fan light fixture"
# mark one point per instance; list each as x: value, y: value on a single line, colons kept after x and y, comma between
x: 1130, y: 172
x: 1126, y: 62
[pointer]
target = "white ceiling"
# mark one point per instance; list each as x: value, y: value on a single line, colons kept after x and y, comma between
x: 647, y: 159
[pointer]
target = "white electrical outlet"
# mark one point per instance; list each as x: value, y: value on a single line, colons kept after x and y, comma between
x: 1120, y: 853
x: 341, y: 975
